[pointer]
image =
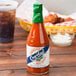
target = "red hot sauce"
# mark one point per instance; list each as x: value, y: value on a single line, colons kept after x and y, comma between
x: 37, y: 44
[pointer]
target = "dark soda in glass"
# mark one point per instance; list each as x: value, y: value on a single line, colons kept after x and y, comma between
x: 7, y: 20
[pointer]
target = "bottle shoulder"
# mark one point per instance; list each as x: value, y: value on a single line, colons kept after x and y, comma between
x: 37, y: 36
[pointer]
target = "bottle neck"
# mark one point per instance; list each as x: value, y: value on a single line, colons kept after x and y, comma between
x: 37, y: 17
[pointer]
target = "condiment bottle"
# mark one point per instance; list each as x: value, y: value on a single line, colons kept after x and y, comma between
x: 37, y: 47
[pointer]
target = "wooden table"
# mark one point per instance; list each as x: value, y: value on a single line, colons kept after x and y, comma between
x: 12, y: 57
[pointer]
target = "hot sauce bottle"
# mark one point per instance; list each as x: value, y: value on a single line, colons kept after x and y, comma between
x: 37, y: 44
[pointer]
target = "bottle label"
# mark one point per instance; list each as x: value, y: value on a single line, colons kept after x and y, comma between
x: 37, y: 56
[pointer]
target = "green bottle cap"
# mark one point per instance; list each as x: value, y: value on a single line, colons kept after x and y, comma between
x: 37, y: 13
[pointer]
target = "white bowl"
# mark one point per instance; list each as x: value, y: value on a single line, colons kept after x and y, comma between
x: 62, y: 40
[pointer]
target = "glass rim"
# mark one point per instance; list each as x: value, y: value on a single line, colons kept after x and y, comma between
x: 13, y: 5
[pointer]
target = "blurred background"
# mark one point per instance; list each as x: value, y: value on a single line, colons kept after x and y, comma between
x: 61, y: 6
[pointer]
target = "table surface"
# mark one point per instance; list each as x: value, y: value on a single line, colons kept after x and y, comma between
x: 12, y: 57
